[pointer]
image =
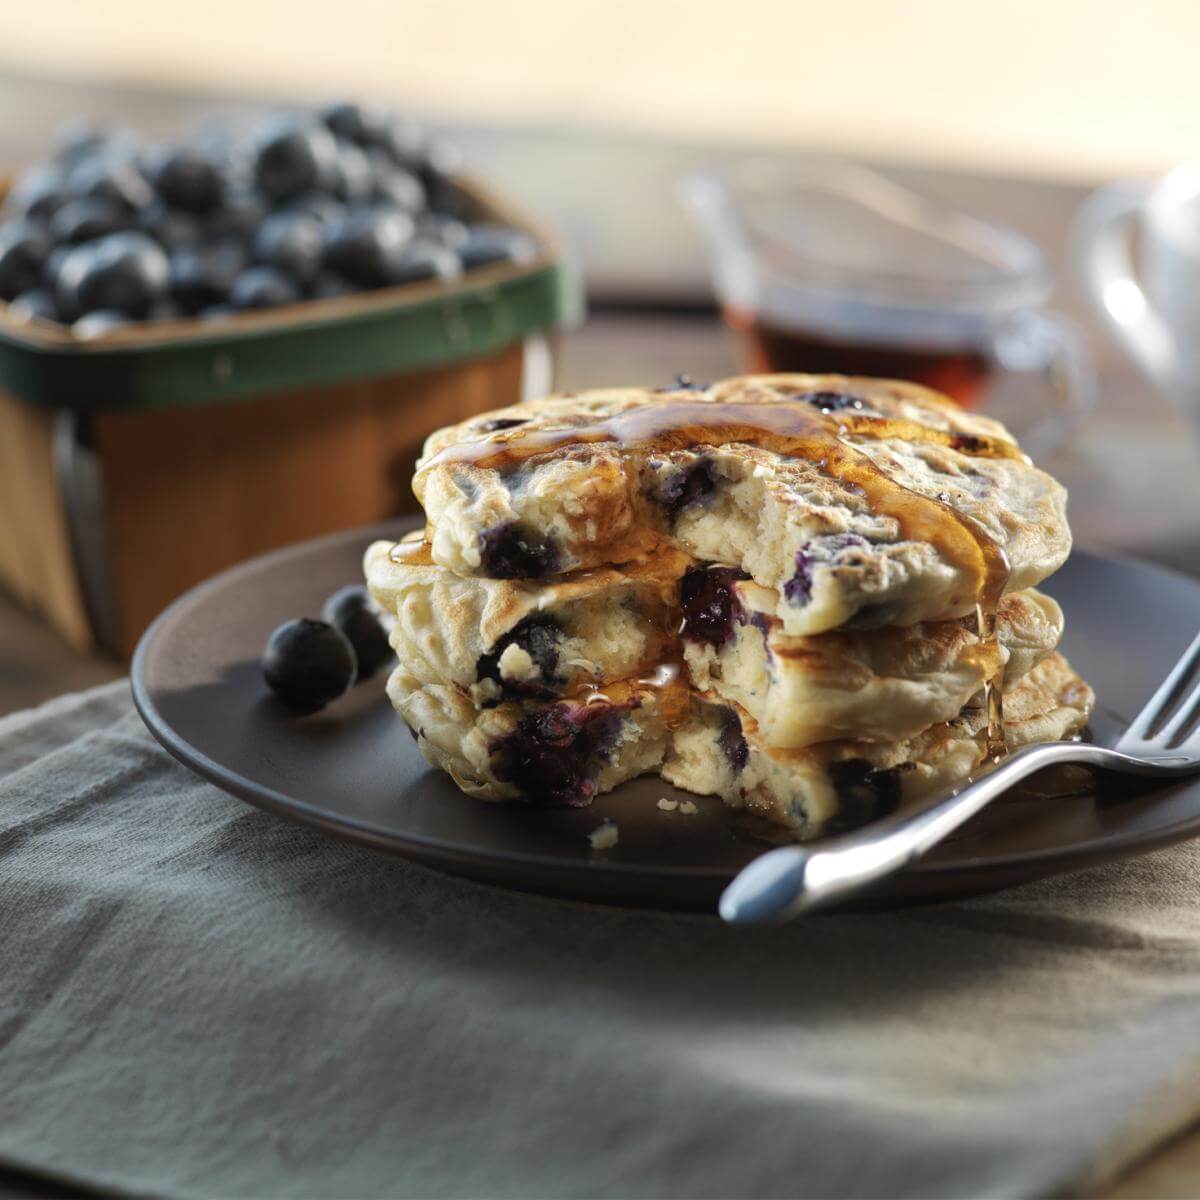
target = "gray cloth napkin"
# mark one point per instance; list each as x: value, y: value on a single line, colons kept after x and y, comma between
x: 199, y: 999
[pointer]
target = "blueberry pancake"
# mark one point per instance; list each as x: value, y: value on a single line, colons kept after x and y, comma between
x: 566, y: 752
x: 543, y: 752
x: 842, y: 784
x: 514, y: 639
x: 880, y: 685
x: 859, y: 502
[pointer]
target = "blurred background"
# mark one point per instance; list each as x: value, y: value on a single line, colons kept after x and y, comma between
x: 588, y: 117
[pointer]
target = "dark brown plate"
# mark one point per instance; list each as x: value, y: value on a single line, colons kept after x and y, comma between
x: 353, y: 770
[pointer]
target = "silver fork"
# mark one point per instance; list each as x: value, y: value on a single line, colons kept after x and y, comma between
x: 1163, y: 741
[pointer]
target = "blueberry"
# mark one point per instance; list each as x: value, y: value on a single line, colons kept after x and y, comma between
x: 449, y: 231
x: 188, y: 179
x: 111, y: 178
x: 733, y: 742
x: 326, y: 209
x: 829, y: 402
x: 864, y: 794
x: 442, y: 161
x: 79, y: 138
x: 425, y: 260
x: 126, y: 272
x: 292, y: 242
x: 85, y: 220
x: 709, y: 604
x: 350, y: 610
x: 553, y: 755
x: 509, y: 551
x: 798, y: 589
x: 395, y: 185
x: 97, y: 324
x: 263, y: 287
x: 354, y: 180
x: 204, y: 275
x: 38, y: 192
x: 50, y: 267
x: 38, y: 303
x: 166, y: 310
x: 294, y: 155
x: 539, y: 636
x: 329, y: 286
x: 488, y: 244
x: 366, y: 124
x: 366, y: 245
x: 497, y: 423
x: 308, y: 663
x: 169, y: 227
x: 23, y: 250
x: 239, y: 216
x: 405, y: 142
x: 689, y: 488
x: 217, y: 312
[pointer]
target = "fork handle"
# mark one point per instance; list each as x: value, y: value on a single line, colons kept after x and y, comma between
x: 784, y: 883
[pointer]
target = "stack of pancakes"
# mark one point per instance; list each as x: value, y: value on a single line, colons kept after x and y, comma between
x: 794, y: 592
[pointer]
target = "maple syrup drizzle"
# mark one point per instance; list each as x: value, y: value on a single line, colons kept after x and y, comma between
x: 796, y: 429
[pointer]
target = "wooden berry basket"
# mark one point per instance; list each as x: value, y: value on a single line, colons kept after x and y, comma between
x: 135, y: 465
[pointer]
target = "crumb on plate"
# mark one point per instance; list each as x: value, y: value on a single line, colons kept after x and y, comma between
x: 604, y: 837
x: 668, y: 805
x: 687, y: 808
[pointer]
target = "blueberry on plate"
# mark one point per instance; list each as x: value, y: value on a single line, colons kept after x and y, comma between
x: 488, y: 244
x: 217, y: 312
x: 54, y: 260
x: 351, y: 610
x: 294, y: 155
x: 293, y: 242
x: 366, y: 244
x: 97, y: 324
x: 125, y: 272
x: 308, y: 663
x: 87, y: 219
x: 35, y: 304
x: 23, y: 250
x: 38, y: 192
x: 203, y: 275
x: 424, y: 260
x: 366, y: 124
x: 188, y: 179
x: 263, y: 287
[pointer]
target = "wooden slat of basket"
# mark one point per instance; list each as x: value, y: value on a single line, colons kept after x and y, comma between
x: 189, y: 491
x: 36, y: 562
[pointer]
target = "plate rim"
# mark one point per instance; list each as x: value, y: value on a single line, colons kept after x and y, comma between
x: 1056, y: 860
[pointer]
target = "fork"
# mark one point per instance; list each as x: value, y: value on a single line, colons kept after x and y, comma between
x: 1163, y: 742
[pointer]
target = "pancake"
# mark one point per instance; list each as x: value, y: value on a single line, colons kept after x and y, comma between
x: 566, y: 752
x: 879, y: 685
x: 858, y: 502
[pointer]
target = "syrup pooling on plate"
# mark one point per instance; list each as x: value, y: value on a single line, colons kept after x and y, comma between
x: 799, y: 426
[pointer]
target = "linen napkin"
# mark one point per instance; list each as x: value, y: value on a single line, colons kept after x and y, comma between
x: 199, y: 999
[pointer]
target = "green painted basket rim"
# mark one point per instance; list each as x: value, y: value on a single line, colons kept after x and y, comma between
x: 312, y: 345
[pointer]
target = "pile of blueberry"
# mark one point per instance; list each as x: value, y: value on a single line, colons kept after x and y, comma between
x: 309, y: 205
x: 309, y: 664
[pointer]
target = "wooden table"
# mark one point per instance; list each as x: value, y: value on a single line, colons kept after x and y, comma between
x: 1131, y: 469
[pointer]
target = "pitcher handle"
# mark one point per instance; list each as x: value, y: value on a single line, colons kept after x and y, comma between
x: 1103, y: 261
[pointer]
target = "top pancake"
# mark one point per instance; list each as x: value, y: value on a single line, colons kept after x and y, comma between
x: 860, y: 502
